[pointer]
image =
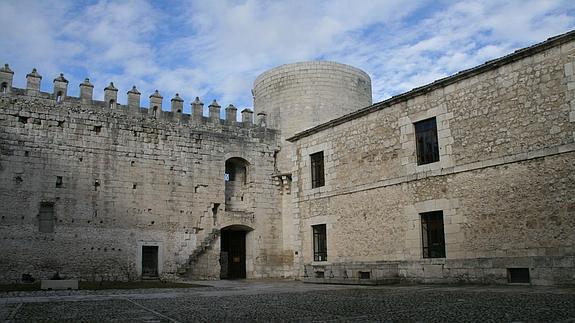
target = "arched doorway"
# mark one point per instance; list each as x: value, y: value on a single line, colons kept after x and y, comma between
x: 233, y: 252
x: 236, y: 188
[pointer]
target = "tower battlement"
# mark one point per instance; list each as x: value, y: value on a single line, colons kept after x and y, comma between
x: 133, y: 107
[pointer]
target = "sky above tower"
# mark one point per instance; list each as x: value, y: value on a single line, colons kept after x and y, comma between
x: 215, y: 49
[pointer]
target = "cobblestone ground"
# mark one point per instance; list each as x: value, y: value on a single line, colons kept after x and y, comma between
x: 292, y: 301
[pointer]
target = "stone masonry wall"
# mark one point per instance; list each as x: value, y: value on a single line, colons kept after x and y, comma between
x: 121, y: 179
x: 504, y: 180
x: 298, y: 96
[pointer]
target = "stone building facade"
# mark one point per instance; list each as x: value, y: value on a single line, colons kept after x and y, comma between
x: 496, y: 204
x: 468, y: 179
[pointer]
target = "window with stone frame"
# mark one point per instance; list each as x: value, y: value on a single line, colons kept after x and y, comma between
x: 432, y: 234
x: 426, y: 141
x: 46, y: 218
x: 317, y: 174
x: 319, y: 242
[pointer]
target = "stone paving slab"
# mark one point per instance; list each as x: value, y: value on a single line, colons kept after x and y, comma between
x: 257, y: 301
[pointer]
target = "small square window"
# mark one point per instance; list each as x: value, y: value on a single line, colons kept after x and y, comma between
x: 432, y: 233
x: 426, y: 141
x: 317, y: 175
x: 518, y: 276
x: 319, y: 242
x: 364, y: 275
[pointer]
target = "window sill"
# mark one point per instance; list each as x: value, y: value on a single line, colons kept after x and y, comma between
x: 320, y: 263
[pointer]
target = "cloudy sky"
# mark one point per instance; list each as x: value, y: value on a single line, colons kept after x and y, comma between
x: 215, y: 49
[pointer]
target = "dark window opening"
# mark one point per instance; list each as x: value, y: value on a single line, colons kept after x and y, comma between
x: 97, y: 129
x: 23, y: 119
x: 4, y: 88
x: 46, y: 218
x: 426, y: 141
x: 59, y: 181
x: 59, y: 97
x: 319, y: 274
x: 317, y: 174
x: 112, y: 104
x: 155, y: 112
x: 61, y: 124
x: 319, y: 242
x: 236, y: 170
x: 432, y: 234
x: 134, y: 186
x: 96, y: 185
x: 179, y: 111
x: 215, y: 209
x: 518, y: 275
x: 364, y: 275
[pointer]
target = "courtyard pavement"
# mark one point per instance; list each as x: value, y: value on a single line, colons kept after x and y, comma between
x: 265, y: 301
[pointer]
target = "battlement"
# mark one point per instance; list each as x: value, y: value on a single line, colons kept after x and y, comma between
x: 133, y: 106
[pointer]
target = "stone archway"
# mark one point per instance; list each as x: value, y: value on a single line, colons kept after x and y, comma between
x: 233, y: 251
x: 236, y: 187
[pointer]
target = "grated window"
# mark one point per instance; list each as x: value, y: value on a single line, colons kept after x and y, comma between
x: 518, y: 276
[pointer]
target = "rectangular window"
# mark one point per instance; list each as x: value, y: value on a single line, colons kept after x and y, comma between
x: 426, y: 141
x: 319, y: 243
x: 432, y: 234
x: 317, y: 176
x: 46, y: 218
x: 518, y: 275
x: 59, y: 181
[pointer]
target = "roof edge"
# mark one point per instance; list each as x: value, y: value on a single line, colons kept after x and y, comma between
x: 461, y: 75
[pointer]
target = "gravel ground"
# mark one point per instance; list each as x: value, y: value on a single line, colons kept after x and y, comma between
x: 292, y: 301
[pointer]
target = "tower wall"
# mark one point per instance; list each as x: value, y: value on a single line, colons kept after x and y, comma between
x: 298, y: 96
x: 295, y: 97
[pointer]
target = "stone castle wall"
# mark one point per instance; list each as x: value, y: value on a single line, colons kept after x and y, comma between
x: 504, y: 180
x: 298, y: 96
x: 121, y: 178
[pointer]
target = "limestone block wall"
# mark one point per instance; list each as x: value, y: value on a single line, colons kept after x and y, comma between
x: 504, y: 179
x: 295, y: 97
x: 298, y: 96
x: 120, y: 178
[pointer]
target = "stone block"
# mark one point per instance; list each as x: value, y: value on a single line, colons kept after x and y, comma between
x: 433, y: 271
x: 59, y: 284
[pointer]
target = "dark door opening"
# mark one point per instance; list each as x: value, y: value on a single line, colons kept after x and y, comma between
x: 149, y: 261
x: 233, y: 254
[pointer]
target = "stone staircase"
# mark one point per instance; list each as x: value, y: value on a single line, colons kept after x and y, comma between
x: 186, y: 270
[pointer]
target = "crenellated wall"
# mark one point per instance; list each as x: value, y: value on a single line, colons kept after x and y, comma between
x: 90, y: 188
x: 133, y: 106
x: 121, y: 177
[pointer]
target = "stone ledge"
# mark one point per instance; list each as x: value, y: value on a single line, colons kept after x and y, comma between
x: 352, y: 281
x: 59, y: 284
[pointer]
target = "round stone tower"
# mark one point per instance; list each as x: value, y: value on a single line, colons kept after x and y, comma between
x: 299, y: 96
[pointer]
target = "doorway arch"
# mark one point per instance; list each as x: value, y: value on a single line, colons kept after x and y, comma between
x: 233, y: 251
x: 236, y: 184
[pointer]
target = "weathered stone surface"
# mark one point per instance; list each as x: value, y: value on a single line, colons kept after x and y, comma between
x: 504, y: 180
x: 122, y: 179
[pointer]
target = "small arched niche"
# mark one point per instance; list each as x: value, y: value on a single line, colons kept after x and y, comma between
x: 236, y: 178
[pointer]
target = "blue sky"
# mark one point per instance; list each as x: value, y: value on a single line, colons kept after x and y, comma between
x: 215, y: 49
